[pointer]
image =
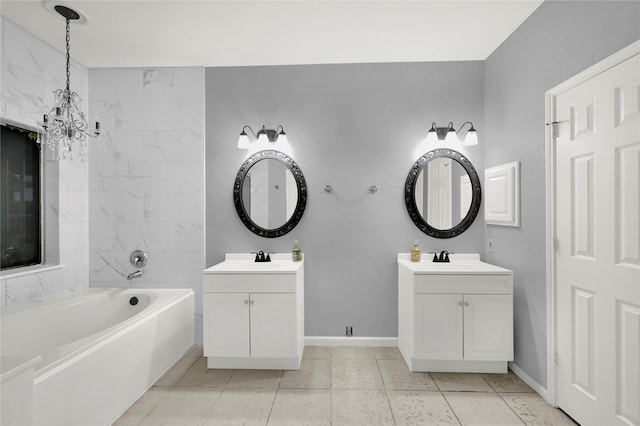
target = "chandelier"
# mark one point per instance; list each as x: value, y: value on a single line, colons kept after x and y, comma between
x: 65, y: 128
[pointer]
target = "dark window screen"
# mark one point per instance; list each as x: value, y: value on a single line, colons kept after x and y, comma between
x: 20, y: 227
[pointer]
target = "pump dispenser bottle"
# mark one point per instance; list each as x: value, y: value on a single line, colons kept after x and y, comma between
x: 296, y: 252
x: 415, y: 252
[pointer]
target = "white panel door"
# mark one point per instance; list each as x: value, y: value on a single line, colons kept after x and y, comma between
x: 273, y: 325
x: 226, y: 324
x: 598, y: 250
x: 466, y: 195
x: 438, y: 332
x: 488, y: 327
x: 439, y: 199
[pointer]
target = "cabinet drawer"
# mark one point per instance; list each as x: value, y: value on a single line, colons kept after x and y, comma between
x: 249, y: 283
x: 468, y: 284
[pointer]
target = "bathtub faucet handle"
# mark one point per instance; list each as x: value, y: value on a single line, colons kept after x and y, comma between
x: 138, y: 259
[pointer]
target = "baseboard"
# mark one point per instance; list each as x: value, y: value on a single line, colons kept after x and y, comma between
x: 542, y: 391
x: 350, y: 341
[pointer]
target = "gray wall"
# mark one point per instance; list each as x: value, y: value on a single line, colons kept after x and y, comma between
x: 350, y: 126
x: 558, y: 40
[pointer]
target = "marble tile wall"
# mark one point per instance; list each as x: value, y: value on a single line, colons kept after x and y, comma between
x: 146, y: 181
x: 31, y: 71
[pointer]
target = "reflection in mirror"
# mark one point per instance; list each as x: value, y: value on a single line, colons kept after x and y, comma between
x: 270, y: 193
x: 442, y: 193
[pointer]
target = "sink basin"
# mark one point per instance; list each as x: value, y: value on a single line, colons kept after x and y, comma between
x: 434, y: 266
x: 255, y: 266
x: 239, y: 264
x: 460, y: 264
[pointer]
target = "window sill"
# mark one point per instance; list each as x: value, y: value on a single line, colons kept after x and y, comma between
x: 29, y: 270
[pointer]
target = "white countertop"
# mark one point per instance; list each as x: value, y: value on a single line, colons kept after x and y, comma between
x: 462, y: 263
x: 243, y: 263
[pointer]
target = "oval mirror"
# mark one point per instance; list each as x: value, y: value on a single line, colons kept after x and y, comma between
x: 442, y: 193
x: 270, y: 193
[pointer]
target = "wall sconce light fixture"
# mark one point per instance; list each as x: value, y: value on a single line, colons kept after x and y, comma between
x: 263, y: 136
x: 449, y: 134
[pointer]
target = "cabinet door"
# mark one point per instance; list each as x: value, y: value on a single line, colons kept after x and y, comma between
x: 226, y: 324
x: 438, y: 326
x: 273, y: 325
x: 488, y: 327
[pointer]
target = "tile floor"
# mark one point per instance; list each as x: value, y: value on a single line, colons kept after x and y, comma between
x: 359, y: 386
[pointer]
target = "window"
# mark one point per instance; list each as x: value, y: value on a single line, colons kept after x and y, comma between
x: 20, y: 224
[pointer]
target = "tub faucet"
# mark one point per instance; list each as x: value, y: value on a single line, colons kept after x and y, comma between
x: 136, y: 274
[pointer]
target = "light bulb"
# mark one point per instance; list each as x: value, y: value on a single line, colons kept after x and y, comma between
x: 451, y: 136
x: 282, y: 138
x: 263, y: 139
x: 243, y: 141
x: 471, y: 138
x: 432, y: 136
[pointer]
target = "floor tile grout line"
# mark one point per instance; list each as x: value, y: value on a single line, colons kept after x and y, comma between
x: 487, y: 382
x: 384, y: 385
x: 273, y: 402
x: 331, y: 385
x: 434, y: 381
x: 393, y: 416
x: 451, y: 408
x: 385, y: 391
x: 512, y: 410
x: 210, y: 415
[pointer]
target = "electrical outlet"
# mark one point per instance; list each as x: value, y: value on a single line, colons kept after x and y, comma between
x: 349, y: 331
x: 490, y: 245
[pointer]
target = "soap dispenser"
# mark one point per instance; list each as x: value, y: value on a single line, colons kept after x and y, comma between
x: 296, y: 252
x: 415, y: 252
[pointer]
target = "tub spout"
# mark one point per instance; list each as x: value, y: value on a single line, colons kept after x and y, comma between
x: 136, y: 274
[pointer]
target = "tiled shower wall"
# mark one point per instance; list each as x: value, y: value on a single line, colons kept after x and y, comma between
x: 146, y: 182
x: 31, y: 71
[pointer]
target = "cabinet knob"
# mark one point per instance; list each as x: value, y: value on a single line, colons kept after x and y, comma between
x: 246, y: 302
x: 466, y: 303
x: 460, y: 304
x: 252, y: 302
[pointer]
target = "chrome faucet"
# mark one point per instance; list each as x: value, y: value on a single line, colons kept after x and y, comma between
x: 444, y: 257
x: 260, y: 257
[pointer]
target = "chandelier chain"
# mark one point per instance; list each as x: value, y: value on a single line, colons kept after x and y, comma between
x: 68, y: 38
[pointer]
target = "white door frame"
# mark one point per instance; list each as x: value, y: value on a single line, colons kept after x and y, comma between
x: 633, y: 49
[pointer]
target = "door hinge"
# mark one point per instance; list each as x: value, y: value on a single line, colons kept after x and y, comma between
x: 555, y: 358
x: 554, y: 128
x: 555, y: 243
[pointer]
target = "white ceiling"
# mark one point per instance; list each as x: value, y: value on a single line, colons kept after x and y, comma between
x: 150, y: 33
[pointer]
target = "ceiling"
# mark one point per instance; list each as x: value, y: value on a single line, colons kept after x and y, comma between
x: 150, y: 33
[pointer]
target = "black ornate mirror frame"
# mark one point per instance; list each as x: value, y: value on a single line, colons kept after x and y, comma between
x: 410, y: 197
x: 302, y: 193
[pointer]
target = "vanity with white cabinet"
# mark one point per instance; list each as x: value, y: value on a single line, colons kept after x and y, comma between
x: 253, y: 313
x: 455, y: 317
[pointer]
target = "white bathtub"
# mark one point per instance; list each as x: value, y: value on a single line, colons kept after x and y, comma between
x: 99, y: 352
